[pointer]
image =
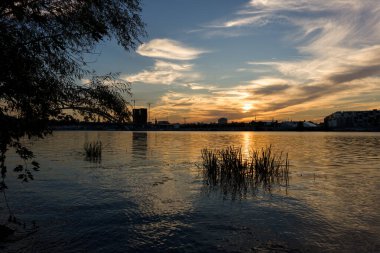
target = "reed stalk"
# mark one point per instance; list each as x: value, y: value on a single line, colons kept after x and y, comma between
x: 229, y: 169
x: 93, y: 150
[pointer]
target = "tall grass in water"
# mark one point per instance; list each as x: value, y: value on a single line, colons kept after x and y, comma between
x: 269, y: 166
x: 235, y: 174
x: 93, y: 150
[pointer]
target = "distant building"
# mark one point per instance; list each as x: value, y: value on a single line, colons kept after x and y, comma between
x: 140, y: 116
x: 300, y: 125
x: 164, y: 125
x: 222, y: 121
x: 289, y: 125
x: 163, y: 122
x: 355, y: 120
x: 308, y: 124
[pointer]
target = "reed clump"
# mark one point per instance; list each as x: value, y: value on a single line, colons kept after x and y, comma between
x: 93, y: 150
x: 229, y: 169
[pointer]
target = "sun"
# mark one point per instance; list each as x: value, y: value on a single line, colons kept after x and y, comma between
x: 247, y: 107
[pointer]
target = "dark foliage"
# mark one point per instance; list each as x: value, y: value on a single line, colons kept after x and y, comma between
x: 42, y: 60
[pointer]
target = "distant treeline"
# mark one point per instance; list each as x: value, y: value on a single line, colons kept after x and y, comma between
x: 72, y: 124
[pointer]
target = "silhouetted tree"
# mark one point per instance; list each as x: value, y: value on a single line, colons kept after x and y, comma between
x: 42, y: 60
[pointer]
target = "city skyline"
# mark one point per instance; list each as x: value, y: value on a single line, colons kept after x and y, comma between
x: 291, y: 59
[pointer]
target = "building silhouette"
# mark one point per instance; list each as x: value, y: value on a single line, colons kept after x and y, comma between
x: 355, y: 120
x: 140, y: 117
x: 222, y: 121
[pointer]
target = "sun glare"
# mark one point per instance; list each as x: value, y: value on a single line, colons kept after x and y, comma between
x: 247, y: 107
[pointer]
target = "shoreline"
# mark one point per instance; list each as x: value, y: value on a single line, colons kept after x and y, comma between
x: 59, y: 129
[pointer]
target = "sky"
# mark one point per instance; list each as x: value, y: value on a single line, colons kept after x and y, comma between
x: 252, y: 59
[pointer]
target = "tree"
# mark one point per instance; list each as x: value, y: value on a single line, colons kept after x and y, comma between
x: 42, y: 60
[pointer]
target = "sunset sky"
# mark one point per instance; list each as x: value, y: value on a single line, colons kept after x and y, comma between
x: 273, y: 59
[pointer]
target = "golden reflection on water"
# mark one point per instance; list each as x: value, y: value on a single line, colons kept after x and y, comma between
x: 247, y: 144
x: 328, y: 170
x: 161, y: 181
x: 334, y: 175
x: 325, y: 174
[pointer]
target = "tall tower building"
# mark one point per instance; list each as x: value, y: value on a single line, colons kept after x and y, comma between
x: 140, y: 117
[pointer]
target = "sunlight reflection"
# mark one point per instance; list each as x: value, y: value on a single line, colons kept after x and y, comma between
x: 246, y: 145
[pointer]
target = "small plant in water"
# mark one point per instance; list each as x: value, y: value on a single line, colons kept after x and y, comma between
x: 233, y: 173
x: 93, y: 150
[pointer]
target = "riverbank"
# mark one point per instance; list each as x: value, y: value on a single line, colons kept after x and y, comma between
x: 257, y: 126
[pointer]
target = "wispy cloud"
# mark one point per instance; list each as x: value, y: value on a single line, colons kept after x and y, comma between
x: 164, y: 73
x: 168, y: 49
x: 336, y: 64
x: 259, y: 20
x: 267, y: 99
x: 198, y: 86
x: 339, y: 42
x: 305, y: 5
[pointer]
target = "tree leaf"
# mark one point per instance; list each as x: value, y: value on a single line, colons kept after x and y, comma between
x: 18, y: 168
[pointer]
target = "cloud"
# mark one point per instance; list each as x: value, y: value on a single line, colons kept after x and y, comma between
x: 289, y: 100
x: 200, y: 106
x: 164, y: 73
x: 355, y: 73
x: 272, y: 89
x: 258, y: 20
x: 297, y: 5
x: 169, y: 49
x: 197, y: 86
x: 360, y: 64
x: 264, y: 86
x: 344, y: 66
x: 339, y: 45
x: 337, y: 65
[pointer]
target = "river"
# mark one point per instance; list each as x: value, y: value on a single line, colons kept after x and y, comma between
x: 147, y: 194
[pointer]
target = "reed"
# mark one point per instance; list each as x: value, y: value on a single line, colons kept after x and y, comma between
x: 229, y: 169
x: 93, y: 150
x: 267, y: 163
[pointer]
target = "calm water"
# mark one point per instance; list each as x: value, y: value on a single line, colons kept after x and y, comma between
x: 147, y: 194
